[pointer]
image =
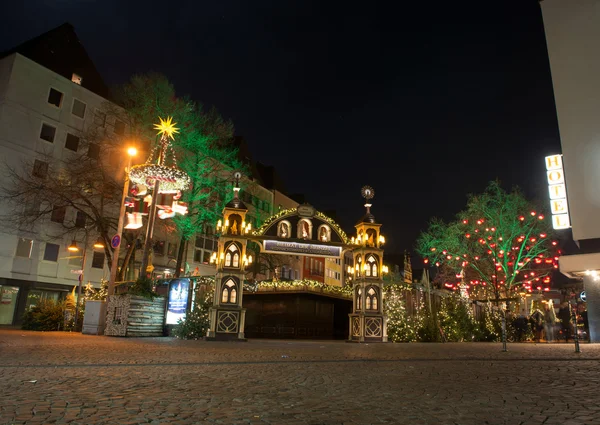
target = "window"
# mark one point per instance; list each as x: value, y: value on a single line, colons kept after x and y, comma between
x: 206, y: 256
x: 72, y: 142
x: 77, y: 79
x: 76, y: 259
x: 359, y: 299
x: 371, y: 299
x: 55, y: 98
x: 51, y: 252
x: 80, y: 219
x: 93, y: 151
x: 98, y: 260
x: 78, y: 108
x: 371, y: 266
x: 232, y: 257
x: 159, y: 247
x: 119, y: 127
x: 198, y: 256
x: 99, y: 118
x: 229, y: 292
x: 172, y: 250
x: 58, y: 214
x: 48, y: 132
x: 40, y: 169
x: 24, y: 247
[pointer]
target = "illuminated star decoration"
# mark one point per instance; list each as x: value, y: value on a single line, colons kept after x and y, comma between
x: 167, y: 127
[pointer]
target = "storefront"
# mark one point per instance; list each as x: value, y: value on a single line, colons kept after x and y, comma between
x: 16, y: 296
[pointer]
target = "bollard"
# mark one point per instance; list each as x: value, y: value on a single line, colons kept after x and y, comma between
x: 504, y: 331
x: 575, y: 333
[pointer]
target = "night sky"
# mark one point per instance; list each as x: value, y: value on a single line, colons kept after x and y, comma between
x: 426, y: 102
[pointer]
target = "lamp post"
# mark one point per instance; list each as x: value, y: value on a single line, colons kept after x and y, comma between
x: 131, y: 152
x: 74, y: 248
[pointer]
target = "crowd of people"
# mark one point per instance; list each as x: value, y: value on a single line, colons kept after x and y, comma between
x: 550, y: 326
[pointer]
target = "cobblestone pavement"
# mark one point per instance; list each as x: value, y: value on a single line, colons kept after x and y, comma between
x: 79, y: 379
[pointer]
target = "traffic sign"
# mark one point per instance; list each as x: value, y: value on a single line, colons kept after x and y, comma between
x: 115, y: 241
x: 582, y: 296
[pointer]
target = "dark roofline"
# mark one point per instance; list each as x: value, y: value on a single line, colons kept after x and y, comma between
x: 50, y: 50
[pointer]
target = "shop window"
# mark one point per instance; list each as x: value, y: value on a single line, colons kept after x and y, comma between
x: 98, y: 260
x: 40, y: 169
x: 58, y: 214
x: 72, y: 142
x: 47, y: 133
x: 78, y: 108
x: 24, y: 247
x: 51, y: 252
x: 55, y: 98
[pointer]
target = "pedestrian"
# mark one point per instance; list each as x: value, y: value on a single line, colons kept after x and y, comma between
x: 565, y: 321
x: 549, y: 324
x: 537, y: 325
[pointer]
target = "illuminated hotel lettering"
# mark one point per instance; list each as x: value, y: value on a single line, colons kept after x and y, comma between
x: 558, y: 192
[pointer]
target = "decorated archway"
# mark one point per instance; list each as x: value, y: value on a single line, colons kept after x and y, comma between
x: 306, y: 232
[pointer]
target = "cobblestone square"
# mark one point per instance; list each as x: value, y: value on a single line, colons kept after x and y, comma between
x: 79, y: 379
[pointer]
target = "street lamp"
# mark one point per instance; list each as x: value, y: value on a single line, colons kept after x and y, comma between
x: 99, y: 244
x: 131, y: 152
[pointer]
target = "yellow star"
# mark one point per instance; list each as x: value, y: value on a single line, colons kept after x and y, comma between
x: 166, y: 127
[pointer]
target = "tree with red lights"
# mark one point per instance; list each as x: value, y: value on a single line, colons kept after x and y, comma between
x: 498, y: 246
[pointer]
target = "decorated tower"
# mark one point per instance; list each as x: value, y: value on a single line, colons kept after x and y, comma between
x: 367, y: 321
x: 227, y: 316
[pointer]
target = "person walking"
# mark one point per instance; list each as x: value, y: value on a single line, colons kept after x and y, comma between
x: 549, y: 324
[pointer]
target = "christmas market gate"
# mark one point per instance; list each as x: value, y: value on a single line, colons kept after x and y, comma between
x: 299, y: 231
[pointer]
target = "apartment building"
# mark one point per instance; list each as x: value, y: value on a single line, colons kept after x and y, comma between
x: 50, y: 93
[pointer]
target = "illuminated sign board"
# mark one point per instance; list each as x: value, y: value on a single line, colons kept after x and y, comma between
x: 558, y: 192
x: 281, y: 247
x: 178, y: 300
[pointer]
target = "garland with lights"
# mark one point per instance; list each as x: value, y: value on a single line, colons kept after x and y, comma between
x: 345, y: 291
x: 292, y: 211
x: 171, y: 178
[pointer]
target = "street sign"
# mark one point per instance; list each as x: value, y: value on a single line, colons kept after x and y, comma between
x: 77, y: 271
x: 115, y: 241
x: 582, y: 296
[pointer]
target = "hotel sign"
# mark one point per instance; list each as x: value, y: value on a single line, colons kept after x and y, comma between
x: 558, y: 192
x: 281, y: 247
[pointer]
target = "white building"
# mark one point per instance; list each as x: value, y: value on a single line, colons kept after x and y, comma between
x: 42, y: 114
x: 573, y: 38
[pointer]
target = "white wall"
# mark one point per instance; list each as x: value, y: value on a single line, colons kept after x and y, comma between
x: 573, y: 36
x: 24, y: 89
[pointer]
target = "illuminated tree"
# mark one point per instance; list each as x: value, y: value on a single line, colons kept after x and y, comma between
x: 401, y: 326
x: 499, y: 245
x: 203, y: 146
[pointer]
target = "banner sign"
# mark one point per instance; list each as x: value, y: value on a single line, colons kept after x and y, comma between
x: 178, y: 300
x: 281, y: 247
x: 558, y: 192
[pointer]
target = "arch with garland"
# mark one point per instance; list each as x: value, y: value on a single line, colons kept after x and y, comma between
x: 302, y: 231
